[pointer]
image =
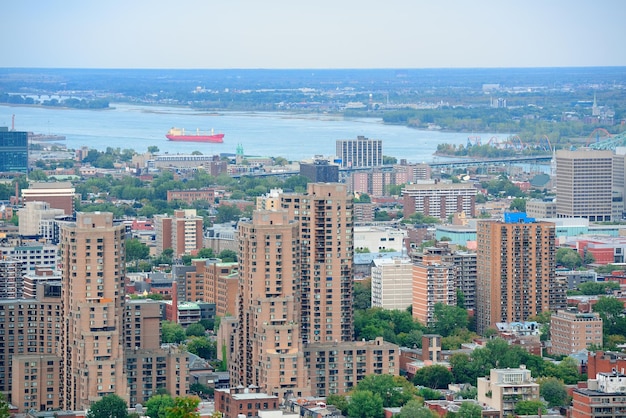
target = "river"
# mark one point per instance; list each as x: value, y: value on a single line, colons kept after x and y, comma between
x: 292, y: 136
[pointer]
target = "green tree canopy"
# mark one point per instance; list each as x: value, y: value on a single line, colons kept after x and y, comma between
x: 530, y: 408
x: 202, y: 347
x: 597, y: 288
x: 415, y: 409
x: 4, y: 407
x: 338, y: 401
x: 469, y: 410
x: 365, y: 404
x: 172, y: 332
x: 448, y: 318
x: 136, y: 250
x: 184, y: 407
x: 569, y: 258
x: 110, y: 406
x: 157, y: 405
x: 195, y: 330
x: 553, y: 391
x: 393, y: 390
x: 434, y: 377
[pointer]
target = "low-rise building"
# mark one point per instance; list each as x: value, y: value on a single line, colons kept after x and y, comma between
x: 240, y: 401
x: 504, y: 388
x: 572, y: 331
x: 605, y: 396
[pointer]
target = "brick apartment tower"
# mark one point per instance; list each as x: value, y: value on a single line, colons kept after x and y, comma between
x: 325, y: 214
x: 515, y: 271
x: 91, y: 348
x: 434, y: 281
x: 270, y: 353
x: 299, y: 255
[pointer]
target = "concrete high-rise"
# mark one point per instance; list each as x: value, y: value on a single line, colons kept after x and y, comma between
x: 360, y: 152
x: 182, y: 232
x: 584, y: 184
x: 91, y: 348
x: 434, y: 281
x: 269, y: 353
x: 295, y: 289
x: 325, y: 215
x: 516, y: 264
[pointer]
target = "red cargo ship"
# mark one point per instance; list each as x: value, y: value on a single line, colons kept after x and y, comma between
x: 177, y: 134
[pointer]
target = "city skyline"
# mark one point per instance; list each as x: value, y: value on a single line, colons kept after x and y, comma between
x: 324, y: 34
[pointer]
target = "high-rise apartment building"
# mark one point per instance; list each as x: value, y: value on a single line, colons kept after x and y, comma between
x: 92, y: 347
x: 325, y: 215
x: 434, y: 282
x: 270, y: 353
x: 214, y: 281
x: 151, y: 369
x: 296, y: 288
x: 182, y: 232
x: 515, y: 271
x: 464, y: 263
x: 392, y: 283
x: 11, y: 279
x: 584, y: 184
x: 360, y: 152
x: 13, y: 151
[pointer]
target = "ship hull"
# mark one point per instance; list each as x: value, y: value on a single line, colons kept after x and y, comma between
x: 217, y: 138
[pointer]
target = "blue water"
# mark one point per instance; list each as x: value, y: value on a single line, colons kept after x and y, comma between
x: 294, y: 137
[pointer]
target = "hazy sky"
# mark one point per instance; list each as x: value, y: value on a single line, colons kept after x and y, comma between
x: 312, y: 34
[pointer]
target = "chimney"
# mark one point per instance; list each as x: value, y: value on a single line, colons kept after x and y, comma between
x: 174, y: 301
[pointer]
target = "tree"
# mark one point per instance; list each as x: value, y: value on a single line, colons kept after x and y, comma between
x: 184, y: 407
x: 597, y: 288
x: 569, y: 258
x: 365, y: 404
x: 469, y: 410
x: 4, y: 407
x: 136, y: 250
x: 434, y: 377
x: 202, y: 347
x: 415, y: 409
x: 227, y: 213
x: 195, y: 330
x: 153, y: 149
x: 228, y: 256
x: 110, y: 406
x: 393, y: 390
x: 362, y: 292
x: 172, y: 332
x: 157, y: 405
x: 518, y: 204
x: 201, y: 390
x: 205, y: 253
x: 530, y: 408
x: 553, y: 391
x: 338, y: 401
x: 448, y: 318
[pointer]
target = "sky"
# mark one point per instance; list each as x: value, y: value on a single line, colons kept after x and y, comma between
x: 287, y: 34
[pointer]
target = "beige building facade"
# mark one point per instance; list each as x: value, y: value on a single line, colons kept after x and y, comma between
x: 515, y: 279
x: 434, y: 281
x: 571, y: 332
x: 504, y: 388
x: 584, y: 184
x: 92, y: 264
